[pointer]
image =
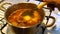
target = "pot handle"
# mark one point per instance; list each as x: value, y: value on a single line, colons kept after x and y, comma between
x: 48, y: 20
x: 5, y: 5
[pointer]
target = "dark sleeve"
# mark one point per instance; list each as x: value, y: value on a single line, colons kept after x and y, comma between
x: 53, y: 5
x: 58, y: 6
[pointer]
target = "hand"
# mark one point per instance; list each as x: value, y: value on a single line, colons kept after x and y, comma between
x: 55, y: 1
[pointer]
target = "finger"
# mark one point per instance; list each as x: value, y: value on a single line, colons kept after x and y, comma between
x: 48, y: 0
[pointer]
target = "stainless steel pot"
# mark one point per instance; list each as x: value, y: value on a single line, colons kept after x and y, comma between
x: 27, y: 30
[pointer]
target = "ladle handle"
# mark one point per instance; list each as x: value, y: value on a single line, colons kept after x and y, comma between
x: 41, y: 5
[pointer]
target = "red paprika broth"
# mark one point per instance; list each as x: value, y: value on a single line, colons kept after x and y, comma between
x: 24, y: 17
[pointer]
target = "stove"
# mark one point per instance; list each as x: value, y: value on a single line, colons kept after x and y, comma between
x: 4, y: 4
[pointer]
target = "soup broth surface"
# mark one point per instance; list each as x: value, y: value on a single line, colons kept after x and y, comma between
x: 24, y: 17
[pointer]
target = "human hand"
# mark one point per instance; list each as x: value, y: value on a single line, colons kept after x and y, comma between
x: 55, y: 1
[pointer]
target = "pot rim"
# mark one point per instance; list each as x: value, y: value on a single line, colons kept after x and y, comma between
x: 21, y: 26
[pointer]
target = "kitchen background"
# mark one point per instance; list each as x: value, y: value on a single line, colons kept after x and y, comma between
x: 4, y: 4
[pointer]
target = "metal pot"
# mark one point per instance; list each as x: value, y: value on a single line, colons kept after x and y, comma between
x: 26, y: 30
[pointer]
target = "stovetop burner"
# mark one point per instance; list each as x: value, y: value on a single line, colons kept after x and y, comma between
x: 1, y: 1
x: 3, y: 23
